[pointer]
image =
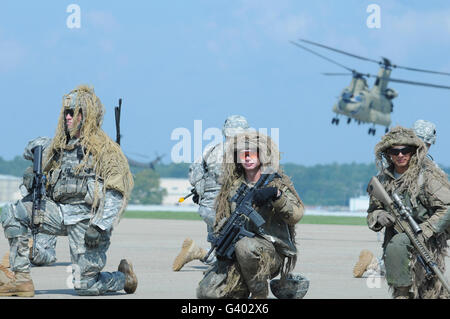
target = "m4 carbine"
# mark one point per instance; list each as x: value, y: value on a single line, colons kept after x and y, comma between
x: 405, y: 223
x: 234, y: 228
x: 38, y: 192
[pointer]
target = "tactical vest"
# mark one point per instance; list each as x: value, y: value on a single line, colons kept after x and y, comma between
x: 66, y: 186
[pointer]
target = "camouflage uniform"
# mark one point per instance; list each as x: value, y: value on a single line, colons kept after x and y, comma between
x: 426, y: 190
x: 75, y: 201
x: 368, y: 265
x: 204, y: 174
x: 262, y: 257
x: 426, y: 131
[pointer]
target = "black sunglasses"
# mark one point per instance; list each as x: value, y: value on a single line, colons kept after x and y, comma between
x: 70, y: 111
x: 403, y: 150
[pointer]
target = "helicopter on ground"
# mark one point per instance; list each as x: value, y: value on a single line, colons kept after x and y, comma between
x: 363, y: 104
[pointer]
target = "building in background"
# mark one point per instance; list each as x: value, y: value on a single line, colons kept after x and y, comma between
x: 176, y: 188
x: 9, y: 188
x: 358, y: 204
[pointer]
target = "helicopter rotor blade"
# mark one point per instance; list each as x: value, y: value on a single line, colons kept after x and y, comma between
x: 385, y: 61
x: 331, y: 73
x: 419, y: 70
x: 323, y: 57
x: 340, y: 51
x: 438, y: 86
x: 419, y: 83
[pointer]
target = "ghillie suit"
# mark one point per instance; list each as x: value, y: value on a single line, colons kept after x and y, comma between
x: 426, y: 190
x: 88, y: 185
x: 266, y: 255
x: 101, y: 155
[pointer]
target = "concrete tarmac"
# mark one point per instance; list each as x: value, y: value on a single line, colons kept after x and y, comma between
x: 327, y: 254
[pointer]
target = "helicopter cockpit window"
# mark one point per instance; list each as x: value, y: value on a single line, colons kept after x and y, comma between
x: 347, y: 96
x: 359, y: 98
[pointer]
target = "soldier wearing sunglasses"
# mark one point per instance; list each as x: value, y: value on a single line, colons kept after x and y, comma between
x: 426, y: 190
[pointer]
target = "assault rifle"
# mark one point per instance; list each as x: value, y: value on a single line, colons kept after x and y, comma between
x: 405, y: 223
x: 38, y: 192
x: 234, y: 227
x: 117, y: 111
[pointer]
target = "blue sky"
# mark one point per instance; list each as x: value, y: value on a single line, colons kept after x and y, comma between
x: 174, y: 62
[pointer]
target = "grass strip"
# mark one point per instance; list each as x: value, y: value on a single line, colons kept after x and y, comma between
x: 330, y: 220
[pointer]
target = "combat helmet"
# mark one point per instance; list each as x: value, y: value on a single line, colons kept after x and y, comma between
x: 234, y: 124
x: 294, y: 286
x: 425, y: 130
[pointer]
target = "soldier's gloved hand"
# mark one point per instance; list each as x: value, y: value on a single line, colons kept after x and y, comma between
x: 427, y: 231
x: 92, y: 236
x: 196, y: 197
x: 264, y: 195
x: 385, y: 219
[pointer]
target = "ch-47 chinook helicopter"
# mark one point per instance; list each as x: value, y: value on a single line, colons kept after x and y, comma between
x: 361, y: 103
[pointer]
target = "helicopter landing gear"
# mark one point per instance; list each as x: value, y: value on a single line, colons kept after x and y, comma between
x: 335, y: 120
x: 349, y: 120
x: 371, y: 131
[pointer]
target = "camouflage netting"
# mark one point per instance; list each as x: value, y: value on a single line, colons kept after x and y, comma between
x: 419, y: 165
x: 269, y: 157
x: 108, y: 161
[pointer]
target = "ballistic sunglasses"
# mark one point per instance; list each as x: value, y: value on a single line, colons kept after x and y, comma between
x: 403, y: 150
x: 252, y: 154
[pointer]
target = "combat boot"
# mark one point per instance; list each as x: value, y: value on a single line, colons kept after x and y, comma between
x: 130, y: 277
x: 189, y: 252
x: 20, y: 285
x: 365, y: 259
x: 401, y: 292
x: 6, y: 275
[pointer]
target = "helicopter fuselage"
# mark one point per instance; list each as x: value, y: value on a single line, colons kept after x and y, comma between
x: 366, y: 105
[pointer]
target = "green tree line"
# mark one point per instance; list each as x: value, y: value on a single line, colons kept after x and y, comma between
x: 327, y: 185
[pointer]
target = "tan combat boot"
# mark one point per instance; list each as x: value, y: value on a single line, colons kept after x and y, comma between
x: 189, y: 252
x: 365, y: 259
x: 401, y: 292
x: 130, y: 277
x: 20, y: 285
x: 6, y: 275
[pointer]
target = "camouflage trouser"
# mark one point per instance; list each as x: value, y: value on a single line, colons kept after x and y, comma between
x: 209, y: 216
x: 397, y: 260
x: 44, y: 247
x: 256, y: 262
x: 86, y: 263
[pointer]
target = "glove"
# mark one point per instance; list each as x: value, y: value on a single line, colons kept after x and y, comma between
x: 92, y: 236
x: 427, y: 231
x: 264, y: 195
x: 385, y: 219
x: 196, y: 197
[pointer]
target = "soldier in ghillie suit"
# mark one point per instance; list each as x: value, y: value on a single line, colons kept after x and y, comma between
x: 88, y: 186
x: 368, y: 264
x: 426, y: 190
x: 272, y: 252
